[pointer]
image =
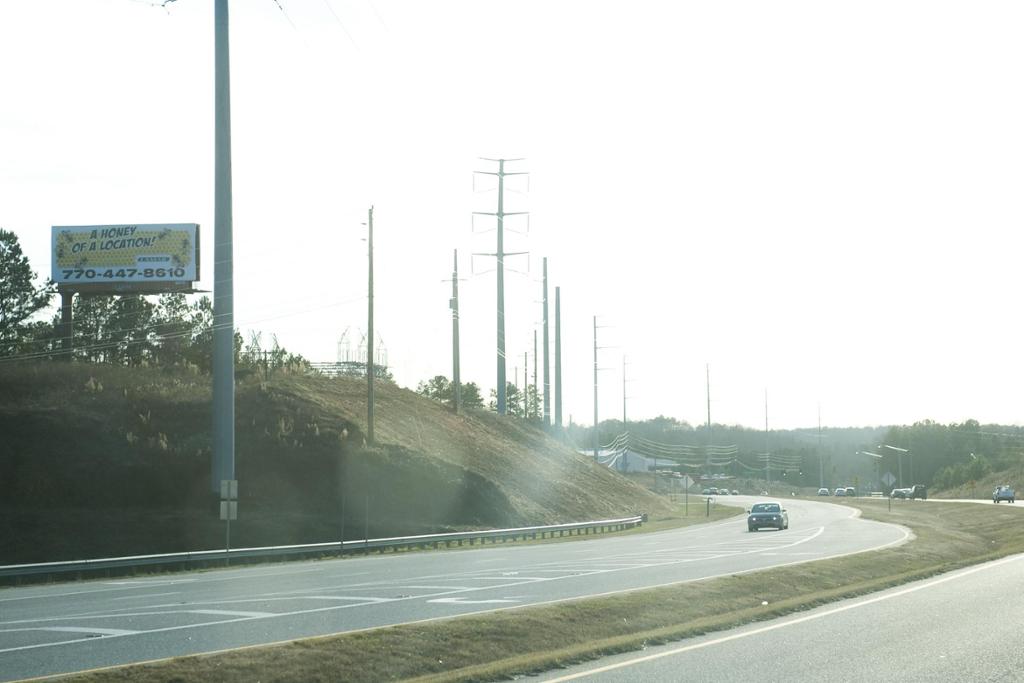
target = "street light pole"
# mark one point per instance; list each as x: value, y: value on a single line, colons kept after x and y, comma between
x: 878, y: 463
x: 899, y: 458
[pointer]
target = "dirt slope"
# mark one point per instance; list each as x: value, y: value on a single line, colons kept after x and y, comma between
x: 99, y: 460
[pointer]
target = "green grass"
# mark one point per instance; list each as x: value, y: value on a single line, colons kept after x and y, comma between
x: 520, y: 641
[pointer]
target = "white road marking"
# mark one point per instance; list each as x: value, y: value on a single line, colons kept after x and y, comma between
x: 784, y: 624
x: 229, y: 613
x: 83, y: 629
x: 465, y: 601
x: 147, y: 583
x: 147, y: 596
x: 363, y: 598
x: 906, y: 535
x: 518, y: 579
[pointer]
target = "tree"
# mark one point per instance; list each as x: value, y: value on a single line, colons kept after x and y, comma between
x: 471, y: 397
x: 440, y: 388
x: 513, y: 400
x: 20, y: 298
x: 437, y: 387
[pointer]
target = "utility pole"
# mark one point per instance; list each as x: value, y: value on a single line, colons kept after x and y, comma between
x: 456, y: 381
x: 223, y: 462
x: 500, y: 255
x: 526, y: 385
x: 821, y: 466
x: 547, y: 346
x: 707, y: 376
x: 515, y: 374
x: 767, y: 453
x: 558, y: 357
x: 596, y: 347
x: 370, y: 371
x: 535, y: 396
x: 624, y: 425
x: 596, y: 439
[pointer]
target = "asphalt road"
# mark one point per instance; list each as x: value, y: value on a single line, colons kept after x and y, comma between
x: 75, y: 626
x: 963, y: 626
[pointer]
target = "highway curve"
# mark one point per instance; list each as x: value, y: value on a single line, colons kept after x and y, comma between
x: 70, y: 627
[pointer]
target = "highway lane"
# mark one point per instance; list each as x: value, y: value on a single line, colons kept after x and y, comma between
x: 962, y: 626
x: 75, y: 626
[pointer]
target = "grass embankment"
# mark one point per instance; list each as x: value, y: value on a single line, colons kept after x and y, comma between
x: 100, y: 461
x: 516, y: 641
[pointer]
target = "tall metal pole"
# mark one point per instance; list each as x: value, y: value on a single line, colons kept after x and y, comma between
x: 596, y: 440
x: 370, y: 364
x: 767, y: 453
x: 534, y: 396
x: 500, y: 255
x: 624, y: 427
x: 547, y: 346
x: 456, y: 380
x: 707, y: 377
x: 526, y: 384
x: 223, y: 464
x: 558, y: 357
x: 821, y: 466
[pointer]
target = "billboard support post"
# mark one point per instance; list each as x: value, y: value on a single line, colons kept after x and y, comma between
x: 67, y: 324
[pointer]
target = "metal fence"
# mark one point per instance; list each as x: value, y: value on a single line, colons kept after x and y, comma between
x: 210, y: 557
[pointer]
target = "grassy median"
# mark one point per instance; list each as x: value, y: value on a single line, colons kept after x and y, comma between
x: 531, y: 639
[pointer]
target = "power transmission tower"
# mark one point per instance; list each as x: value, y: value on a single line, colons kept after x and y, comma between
x: 534, y: 397
x: 625, y: 424
x: 500, y: 255
x: 370, y: 371
x: 707, y: 375
x: 596, y: 439
x: 526, y: 385
x: 821, y: 466
x: 454, y: 305
x: 767, y: 453
x: 558, y: 357
x: 596, y: 348
x: 547, y: 376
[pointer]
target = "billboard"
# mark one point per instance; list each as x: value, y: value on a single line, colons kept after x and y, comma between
x: 127, y: 255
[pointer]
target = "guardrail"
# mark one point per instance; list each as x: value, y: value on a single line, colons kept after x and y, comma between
x: 201, y: 557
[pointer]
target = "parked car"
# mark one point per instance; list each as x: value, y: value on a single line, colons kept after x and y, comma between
x: 723, y: 492
x: 840, y: 491
x: 1003, y: 493
x: 706, y: 492
x: 900, y: 493
x: 762, y: 515
x: 851, y: 492
x: 735, y: 492
x: 714, y: 491
x: 918, y: 491
x: 823, y: 491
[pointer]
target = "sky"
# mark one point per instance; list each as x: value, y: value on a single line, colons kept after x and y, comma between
x: 821, y: 201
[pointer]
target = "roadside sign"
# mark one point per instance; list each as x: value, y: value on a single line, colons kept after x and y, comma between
x: 228, y: 510
x: 229, y: 489
x: 687, y: 482
x: 888, y: 479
